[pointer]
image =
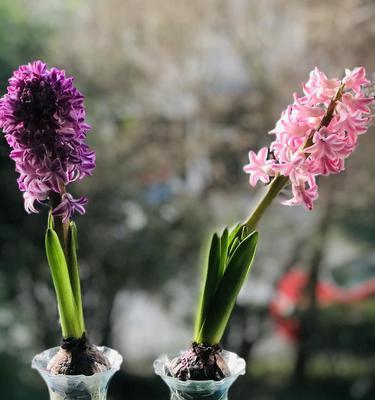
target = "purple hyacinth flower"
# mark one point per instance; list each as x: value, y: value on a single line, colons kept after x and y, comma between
x: 68, y: 206
x: 43, y: 118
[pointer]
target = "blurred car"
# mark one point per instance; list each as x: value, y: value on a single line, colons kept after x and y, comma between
x: 345, y: 284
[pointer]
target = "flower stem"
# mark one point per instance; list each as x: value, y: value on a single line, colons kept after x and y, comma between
x: 274, y: 189
x: 61, y: 228
x: 74, y: 273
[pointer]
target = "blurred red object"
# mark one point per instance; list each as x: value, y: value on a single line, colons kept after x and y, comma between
x: 291, y: 295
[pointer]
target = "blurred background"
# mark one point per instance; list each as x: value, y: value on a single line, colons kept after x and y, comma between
x: 177, y: 94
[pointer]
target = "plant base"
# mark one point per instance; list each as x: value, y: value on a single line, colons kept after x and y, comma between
x: 200, y: 389
x: 77, y: 387
x: 200, y: 362
x: 78, y: 357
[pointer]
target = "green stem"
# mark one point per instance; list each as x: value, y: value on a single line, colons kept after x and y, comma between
x: 274, y: 189
x: 74, y: 273
x: 60, y: 227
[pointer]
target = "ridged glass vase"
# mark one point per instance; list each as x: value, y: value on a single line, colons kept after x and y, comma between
x: 77, y: 387
x: 201, y: 390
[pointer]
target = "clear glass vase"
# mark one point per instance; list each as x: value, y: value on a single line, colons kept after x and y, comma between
x: 77, y: 387
x: 201, y: 390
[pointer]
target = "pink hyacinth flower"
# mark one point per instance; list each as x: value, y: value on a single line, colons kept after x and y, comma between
x: 355, y: 79
x: 305, y: 191
x: 320, y: 89
x: 259, y: 167
x: 327, y: 152
x: 316, y: 133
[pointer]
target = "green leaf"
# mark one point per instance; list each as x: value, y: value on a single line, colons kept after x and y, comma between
x: 223, y: 252
x: 233, y: 234
x: 235, y: 238
x: 245, y: 232
x: 74, y: 272
x: 211, y: 277
x: 233, y: 246
x: 222, y: 304
x: 60, y: 275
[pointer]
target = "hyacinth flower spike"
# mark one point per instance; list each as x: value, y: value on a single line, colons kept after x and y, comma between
x: 313, y: 137
x: 43, y: 118
x: 323, y: 144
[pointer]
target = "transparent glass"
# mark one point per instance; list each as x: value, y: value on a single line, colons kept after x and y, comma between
x: 77, y: 387
x: 201, y: 390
